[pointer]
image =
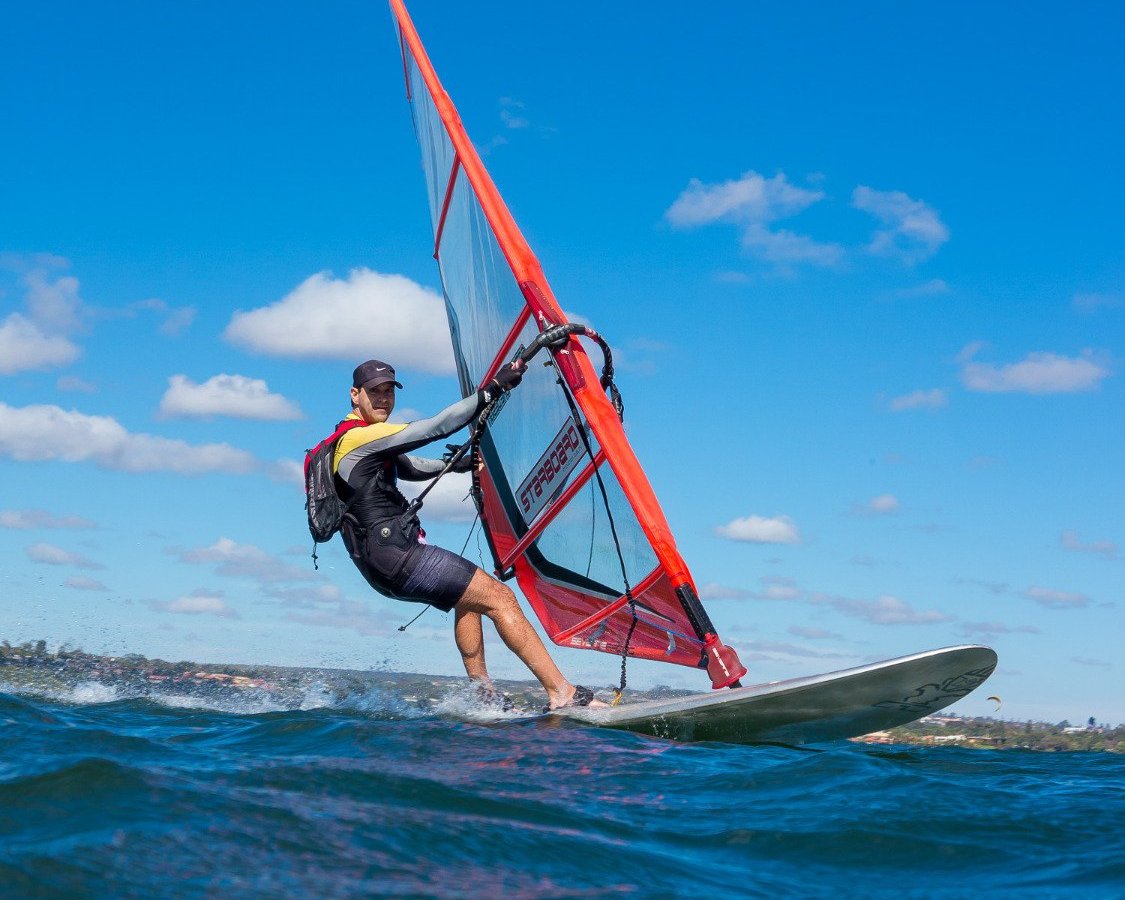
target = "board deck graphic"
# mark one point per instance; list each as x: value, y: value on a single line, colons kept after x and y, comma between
x: 826, y: 707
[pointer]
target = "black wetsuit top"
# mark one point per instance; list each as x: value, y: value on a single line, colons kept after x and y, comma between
x: 381, y: 542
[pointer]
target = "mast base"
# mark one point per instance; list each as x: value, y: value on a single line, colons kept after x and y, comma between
x: 723, y: 664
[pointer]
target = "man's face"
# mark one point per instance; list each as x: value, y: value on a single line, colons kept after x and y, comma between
x: 375, y: 403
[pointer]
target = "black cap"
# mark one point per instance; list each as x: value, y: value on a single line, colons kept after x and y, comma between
x: 373, y: 372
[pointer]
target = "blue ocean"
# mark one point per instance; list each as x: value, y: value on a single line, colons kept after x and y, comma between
x: 407, y: 786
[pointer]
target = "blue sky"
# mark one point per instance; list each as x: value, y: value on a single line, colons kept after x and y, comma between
x: 863, y: 270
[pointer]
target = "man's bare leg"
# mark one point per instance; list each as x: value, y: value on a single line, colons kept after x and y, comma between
x: 469, y: 635
x: 486, y: 596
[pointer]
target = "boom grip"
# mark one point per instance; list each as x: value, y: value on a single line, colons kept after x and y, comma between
x: 554, y: 336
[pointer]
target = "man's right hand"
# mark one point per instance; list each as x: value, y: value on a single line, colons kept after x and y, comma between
x: 507, y: 378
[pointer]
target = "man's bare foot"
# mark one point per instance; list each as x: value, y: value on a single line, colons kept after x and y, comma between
x: 573, y: 695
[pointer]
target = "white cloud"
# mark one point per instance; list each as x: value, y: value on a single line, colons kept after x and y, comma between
x: 640, y: 356
x: 1092, y: 662
x: 751, y: 198
x: 244, y: 561
x: 449, y: 501
x: 26, y: 519
x: 933, y: 288
x: 38, y: 337
x: 511, y: 120
x: 972, y: 629
x: 913, y: 231
x: 882, y: 505
x: 82, y: 583
x: 287, y: 470
x: 753, y: 203
x: 814, y: 634
x: 39, y: 433
x: 54, y: 304
x: 75, y: 384
x: 24, y: 346
x: 496, y: 141
x: 235, y: 396
x: 306, y: 596
x: 774, y: 587
x: 732, y: 277
x: 197, y: 603
x: 1091, y: 303
x: 780, y: 650
x: 351, y: 614
x: 784, y: 247
x: 935, y: 398
x: 993, y: 587
x: 760, y: 530
x: 175, y: 319
x: 513, y: 113
x: 713, y: 591
x: 1071, y: 541
x: 778, y: 587
x: 886, y: 610
x: 367, y: 314
x: 1056, y: 599
x: 1037, y: 373
x: 56, y: 556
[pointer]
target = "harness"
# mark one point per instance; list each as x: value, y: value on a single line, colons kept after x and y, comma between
x: 381, y: 524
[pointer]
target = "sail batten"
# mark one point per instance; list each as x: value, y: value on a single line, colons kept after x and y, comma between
x: 440, y: 227
x: 564, y: 502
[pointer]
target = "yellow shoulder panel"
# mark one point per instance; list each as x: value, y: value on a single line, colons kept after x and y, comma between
x: 357, y: 437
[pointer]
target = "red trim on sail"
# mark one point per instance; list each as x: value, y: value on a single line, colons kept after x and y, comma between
x: 617, y: 604
x: 563, y: 357
x: 563, y: 607
x: 505, y: 353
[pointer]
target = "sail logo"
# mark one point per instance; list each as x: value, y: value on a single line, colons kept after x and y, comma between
x: 551, y: 472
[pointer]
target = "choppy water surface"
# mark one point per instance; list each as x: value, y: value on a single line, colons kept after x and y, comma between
x: 377, y: 793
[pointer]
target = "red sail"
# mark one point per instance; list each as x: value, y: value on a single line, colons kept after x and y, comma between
x: 566, y: 504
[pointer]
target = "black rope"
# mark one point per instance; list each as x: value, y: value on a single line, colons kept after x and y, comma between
x: 425, y: 609
x: 628, y: 639
x: 555, y: 337
x: 612, y: 530
x: 472, y: 528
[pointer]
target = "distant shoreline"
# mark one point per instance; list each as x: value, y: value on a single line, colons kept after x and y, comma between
x: 31, y: 666
x: 983, y: 733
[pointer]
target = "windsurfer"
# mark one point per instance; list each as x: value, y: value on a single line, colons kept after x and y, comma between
x: 390, y: 551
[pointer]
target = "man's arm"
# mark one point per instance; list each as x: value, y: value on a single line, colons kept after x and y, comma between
x: 417, y: 468
x: 388, y: 441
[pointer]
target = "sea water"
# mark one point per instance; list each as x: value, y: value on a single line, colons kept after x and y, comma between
x: 378, y: 794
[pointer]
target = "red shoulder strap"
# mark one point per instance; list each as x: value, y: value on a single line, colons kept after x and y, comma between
x: 341, y: 429
x: 345, y: 426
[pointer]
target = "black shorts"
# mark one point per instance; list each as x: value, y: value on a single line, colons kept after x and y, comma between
x: 404, y: 569
x: 435, y: 576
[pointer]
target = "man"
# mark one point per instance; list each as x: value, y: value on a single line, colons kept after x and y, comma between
x: 391, y: 552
